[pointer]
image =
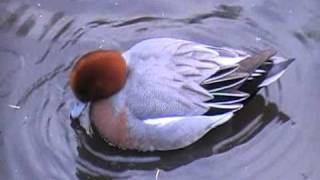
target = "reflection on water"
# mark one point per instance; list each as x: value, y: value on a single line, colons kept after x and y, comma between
x: 247, y: 123
x: 40, y: 42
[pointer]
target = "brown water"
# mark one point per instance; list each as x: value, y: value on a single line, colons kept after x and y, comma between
x: 276, y: 136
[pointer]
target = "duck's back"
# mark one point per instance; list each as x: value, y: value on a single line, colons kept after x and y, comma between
x: 178, y: 90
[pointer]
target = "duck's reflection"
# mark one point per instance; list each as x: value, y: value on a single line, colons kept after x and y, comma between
x: 97, y: 156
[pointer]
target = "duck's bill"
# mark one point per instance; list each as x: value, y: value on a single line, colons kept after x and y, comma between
x: 77, y: 109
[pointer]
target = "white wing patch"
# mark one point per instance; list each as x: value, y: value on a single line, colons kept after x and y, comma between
x: 214, y: 120
x: 163, y: 121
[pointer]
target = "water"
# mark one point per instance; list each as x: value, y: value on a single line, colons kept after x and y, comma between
x: 275, y: 136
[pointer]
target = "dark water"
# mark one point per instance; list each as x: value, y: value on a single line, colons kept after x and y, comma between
x: 276, y: 136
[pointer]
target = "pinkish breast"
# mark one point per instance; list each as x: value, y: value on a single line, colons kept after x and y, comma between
x: 111, y: 125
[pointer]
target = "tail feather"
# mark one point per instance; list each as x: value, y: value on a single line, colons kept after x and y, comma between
x: 250, y: 64
x: 280, y: 65
x: 268, y: 72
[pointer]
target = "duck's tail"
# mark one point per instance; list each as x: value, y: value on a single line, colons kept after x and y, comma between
x: 264, y: 68
x: 278, y: 65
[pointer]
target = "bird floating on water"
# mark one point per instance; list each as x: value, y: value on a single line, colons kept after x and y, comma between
x: 164, y: 93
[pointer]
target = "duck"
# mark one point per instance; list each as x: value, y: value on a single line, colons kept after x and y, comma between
x: 164, y: 93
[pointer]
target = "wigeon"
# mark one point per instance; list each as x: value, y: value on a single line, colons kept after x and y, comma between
x: 164, y: 93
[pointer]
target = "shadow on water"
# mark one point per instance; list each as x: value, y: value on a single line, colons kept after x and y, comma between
x: 97, y: 158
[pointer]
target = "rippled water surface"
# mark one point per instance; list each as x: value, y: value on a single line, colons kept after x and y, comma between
x: 276, y: 136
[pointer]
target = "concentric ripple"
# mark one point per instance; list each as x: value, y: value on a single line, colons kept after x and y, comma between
x: 275, y: 136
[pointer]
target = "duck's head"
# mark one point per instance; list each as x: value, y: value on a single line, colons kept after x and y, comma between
x: 98, y: 75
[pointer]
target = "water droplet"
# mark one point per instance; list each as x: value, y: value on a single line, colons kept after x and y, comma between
x: 157, y: 174
x: 101, y: 44
x: 39, y: 5
x: 14, y: 106
x: 116, y: 3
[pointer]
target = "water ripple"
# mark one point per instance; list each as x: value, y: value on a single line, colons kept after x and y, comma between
x: 265, y: 139
x: 42, y: 80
